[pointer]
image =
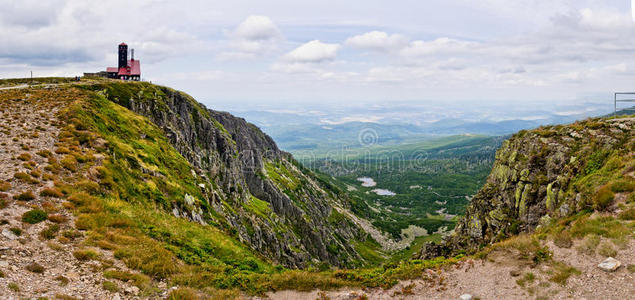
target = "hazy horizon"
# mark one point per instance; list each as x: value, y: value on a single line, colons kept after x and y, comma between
x: 281, y: 53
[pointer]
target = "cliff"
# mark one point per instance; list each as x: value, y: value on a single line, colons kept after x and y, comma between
x: 272, y: 203
x: 544, y: 174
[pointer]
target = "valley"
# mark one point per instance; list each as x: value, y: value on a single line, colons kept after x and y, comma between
x: 412, y: 190
x: 134, y: 190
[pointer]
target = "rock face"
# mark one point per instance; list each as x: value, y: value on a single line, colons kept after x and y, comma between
x: 254, y: 189
x: 534, y: 180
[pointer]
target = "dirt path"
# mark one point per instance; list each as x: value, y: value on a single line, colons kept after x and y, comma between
x: 496, y: 278
x: 14, y: 87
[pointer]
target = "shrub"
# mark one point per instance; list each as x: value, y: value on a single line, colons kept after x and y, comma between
x: 623, y: 186
x: 34, y: 216
x: 57, y: 218
x: 628, y: 214
x: 24, y: 196
x: 44, y: 153
x: 70, y: 163
x: 589, y: 244
x: 13, y: 286
x: 36, y: 173
x: 85, y: 254
x: 110, y: 286
x: 183, y: 294
x: 24, y: 157
x: 29, y: 164
x: 4, y: 186
x: 17, y: 231
x: 562, y: 272
x: 35, y: 268
x: 81, y: 198
x: 62, y: 150
x: 63, y: 280
x: 50, y: 232
x: 25, y: 177
x: 563, y: 240
x: 603, y: 198
x: 605, y: 249
x: 51, y: 192
x: 64, y: 297
x: 139, y: 280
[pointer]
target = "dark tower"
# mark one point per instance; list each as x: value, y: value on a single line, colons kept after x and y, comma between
x: 123, y: 55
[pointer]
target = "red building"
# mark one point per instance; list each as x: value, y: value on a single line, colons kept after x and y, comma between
x: 127, y: 69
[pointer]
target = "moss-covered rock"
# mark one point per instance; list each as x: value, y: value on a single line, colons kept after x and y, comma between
x: 545, y: 173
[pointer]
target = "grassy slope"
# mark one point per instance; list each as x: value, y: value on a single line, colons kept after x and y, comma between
x: 122, y: 209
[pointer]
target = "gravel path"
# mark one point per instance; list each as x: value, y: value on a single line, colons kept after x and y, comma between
x: 27, y: 126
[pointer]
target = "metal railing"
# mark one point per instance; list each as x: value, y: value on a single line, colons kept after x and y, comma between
x: 615, y: 100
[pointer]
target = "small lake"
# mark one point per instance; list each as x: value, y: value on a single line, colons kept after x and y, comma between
x: 367, y: 181
x: 383, y: 192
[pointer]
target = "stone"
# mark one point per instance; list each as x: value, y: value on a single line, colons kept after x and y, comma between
x: 133, y: 290
x: 609, y: 265
x: 8, y: 234
x: 4, y: 263
x: 189, y: 200
x: 466, y: 297
x: 73, y: 276
x: 116, y: 297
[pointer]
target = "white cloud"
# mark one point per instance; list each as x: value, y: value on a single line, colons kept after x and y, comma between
x: 255, y: 36
x: 313, y: 52
x: 442, y: 46
x: 257, y: 28
x: 378, y: 41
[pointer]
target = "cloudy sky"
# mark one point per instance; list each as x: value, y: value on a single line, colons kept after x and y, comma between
x: 310, y: 51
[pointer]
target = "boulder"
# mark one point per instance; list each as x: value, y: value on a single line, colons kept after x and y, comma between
x: 609, y: 265
x: 8, y: 234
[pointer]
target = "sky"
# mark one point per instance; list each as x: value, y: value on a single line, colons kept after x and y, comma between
x: 287, y: 52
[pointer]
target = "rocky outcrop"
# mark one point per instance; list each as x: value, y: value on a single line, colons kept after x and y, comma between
x: 254, y: 189
x: 537, y: 176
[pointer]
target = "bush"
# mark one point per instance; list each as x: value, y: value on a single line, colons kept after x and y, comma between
x: 17, y: 231
x: 22, y: 176
x: 4, y: 186
x: 25, y: 196
x: 628, y: 214
x: 110, y: 286
x: 50, y: 232
x: 34, y: 216
x: 14, y: 287
x: 44, y: 153
x: 51, y: 192
x: 605, y: 249
x: 57, y: 218
x: 85, y: 254
x: 24, y: 157
x: 563, y: 240
x: 62, y: 150
x: 63, y: 280
x: 183, y: 294
x: 35, y: 268
x: 623, y: 186
x: 70, y: 163
x: 603, y: 198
